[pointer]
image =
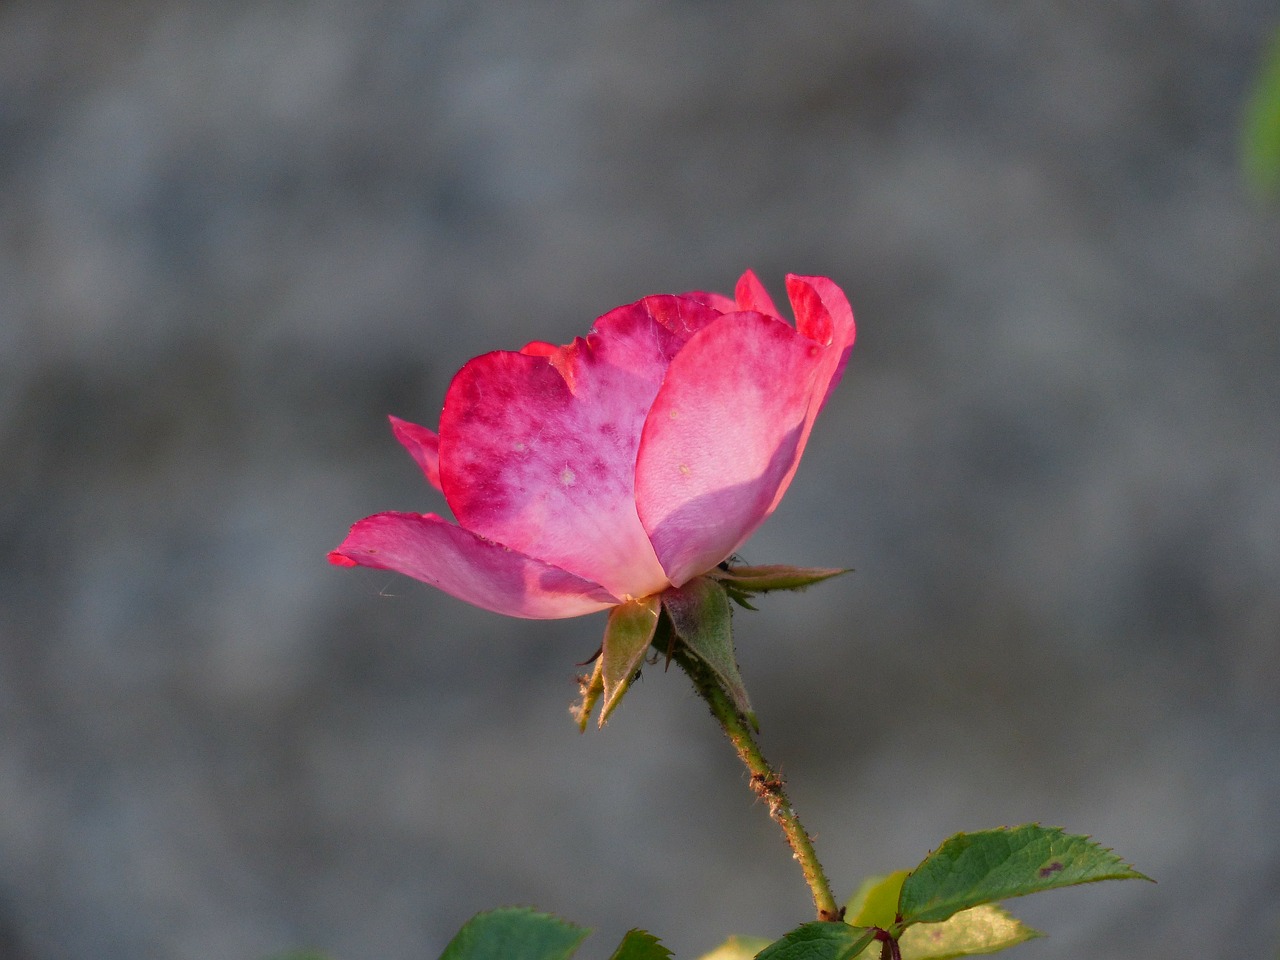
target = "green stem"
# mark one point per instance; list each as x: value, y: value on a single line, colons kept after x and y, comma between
x: 766, y: 782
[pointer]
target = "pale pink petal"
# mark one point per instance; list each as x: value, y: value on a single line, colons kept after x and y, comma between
x: 723, y: 437
x: 751, y: 295
x: 423, y: 445
x: 429, y: 548
x: 538, y: 448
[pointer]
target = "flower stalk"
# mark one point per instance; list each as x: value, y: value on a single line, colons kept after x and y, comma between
x: 766, y: 782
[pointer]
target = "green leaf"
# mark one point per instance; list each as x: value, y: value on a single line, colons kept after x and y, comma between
x: 700, y: 613
x: 820, y: 940
x: 875, y: 903
x: 737, y: 948
x: 515, y: 933
x: 1261, y: 141
x: 776, y: 576
x: 627, y: 636
x: 638, y: 945
x: 983, y: 929
x: 976, y: 868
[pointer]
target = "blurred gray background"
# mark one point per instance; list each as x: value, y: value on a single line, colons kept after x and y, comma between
x: 234, y: 237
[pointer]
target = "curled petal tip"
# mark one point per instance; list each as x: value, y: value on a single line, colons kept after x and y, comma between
x: 341, y: 559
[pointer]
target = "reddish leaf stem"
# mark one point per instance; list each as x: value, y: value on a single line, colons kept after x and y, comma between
x: 889, y: 949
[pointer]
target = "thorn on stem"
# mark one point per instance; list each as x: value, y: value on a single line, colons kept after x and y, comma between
x: 766, y: 784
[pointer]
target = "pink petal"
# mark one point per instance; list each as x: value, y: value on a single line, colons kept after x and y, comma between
x: 823, y: 315
x: 423, y: 445
x: 725, y: 434
x: 716, y: 301
x: 751, y: 295
x: 429, y: 548
x: 540, y: 348
x: 722, y: 436
x: 538, y: 448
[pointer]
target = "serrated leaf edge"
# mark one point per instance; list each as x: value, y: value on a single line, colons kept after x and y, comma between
x: 1125, y: 870
x: 647, y: 939
x: 580, y: 931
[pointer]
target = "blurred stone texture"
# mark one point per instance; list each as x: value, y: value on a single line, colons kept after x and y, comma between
x: 234, y: 237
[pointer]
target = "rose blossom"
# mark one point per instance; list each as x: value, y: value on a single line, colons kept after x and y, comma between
x: 618, y: 466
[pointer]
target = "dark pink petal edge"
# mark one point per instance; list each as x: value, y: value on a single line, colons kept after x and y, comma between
x: 716, y: 301
x: 823, y: 315
x: 485, y: 574
x: 423, y: 445
x: 751, y: 294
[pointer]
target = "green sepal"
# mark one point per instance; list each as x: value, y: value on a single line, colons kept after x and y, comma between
x: 589, y: 691
x: 737, y: 948
x: 515, y: 933
x: 978, y: 930
x: 627, y: 636
x: 820, y: 940
x: 875, y: 902
x: 639, y: 945
x: 971, y: 869
x: 703, y: 620
x: 749, y: 580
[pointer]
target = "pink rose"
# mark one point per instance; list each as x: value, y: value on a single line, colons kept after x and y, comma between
x: 617, y: 467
